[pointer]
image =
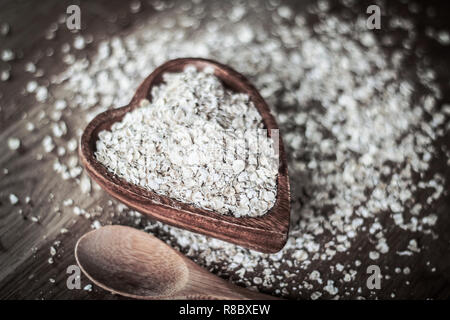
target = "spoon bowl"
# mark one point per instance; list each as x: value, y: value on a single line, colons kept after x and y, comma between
x: 135, y: 264
x: 267, y: 233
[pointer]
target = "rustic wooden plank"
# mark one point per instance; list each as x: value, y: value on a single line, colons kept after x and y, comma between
x: 24, y: 245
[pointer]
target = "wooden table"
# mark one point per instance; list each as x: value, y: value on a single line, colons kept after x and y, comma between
x: 25, y: 245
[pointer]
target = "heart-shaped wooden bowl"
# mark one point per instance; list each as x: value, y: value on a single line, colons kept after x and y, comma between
x: 267, y: 233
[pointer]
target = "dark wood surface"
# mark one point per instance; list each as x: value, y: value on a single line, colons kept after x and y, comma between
x: 267, y: 233
x: 24, y: 245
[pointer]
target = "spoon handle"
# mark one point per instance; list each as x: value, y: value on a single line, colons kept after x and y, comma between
x: 236, y: 294
x: 205, y: 285
x: 239, y: 293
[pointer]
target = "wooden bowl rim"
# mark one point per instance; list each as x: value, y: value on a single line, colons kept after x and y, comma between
x: 124, y: 190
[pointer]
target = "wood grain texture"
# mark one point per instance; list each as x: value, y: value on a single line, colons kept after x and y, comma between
x: 24, y: 245
x: 135, y: 264
x: 267, y: 233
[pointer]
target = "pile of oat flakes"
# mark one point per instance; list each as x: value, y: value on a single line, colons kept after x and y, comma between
x: 198, y: 143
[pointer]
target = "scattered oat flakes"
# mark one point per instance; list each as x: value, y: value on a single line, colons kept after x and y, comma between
x: 13, y: 143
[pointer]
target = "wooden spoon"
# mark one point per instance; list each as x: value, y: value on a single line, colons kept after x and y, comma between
x: 135, y: 264
x: 267, y: 233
